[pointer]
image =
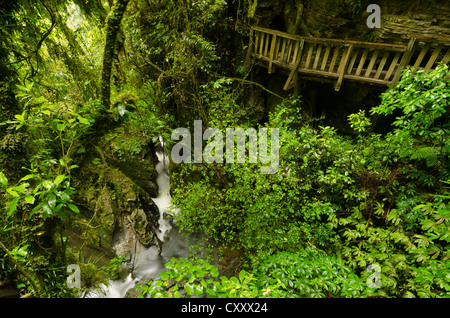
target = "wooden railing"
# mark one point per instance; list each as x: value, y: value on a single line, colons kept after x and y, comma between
x: 376, y: 63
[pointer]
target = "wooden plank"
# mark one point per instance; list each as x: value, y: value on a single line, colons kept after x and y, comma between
x: 393, y: 65
x: 296, y: 66
x: 318, y: 53
x: 333, y: 59
x: 433, y: 57
x: 283, y: 48
x: 288, y: 57
x: 308, y: 57
x: 318, y: 72
x: 293, y: 83
x: 294, y: 58
x: 405, y: 60
x: 371, y: 64
x: 325, y: 57
x: 421, y: 57
x: 261, y: 43
x: 272, y: 53
x: 266, y: 46
x: 352, y: 61
x: 343, y: 67
x: 446, y: 58
x: 382, y: 64
x: 366, y: 79
x: 277, y: 48
x: 362, y: 61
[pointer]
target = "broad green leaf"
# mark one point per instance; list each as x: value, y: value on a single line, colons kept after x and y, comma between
x: 28, y: 176
x: 13, y: 205
x: 234, y: 280
x: 22, y: 88
x: 164, y: 275
x: 21, y: 188
x: 189, y: 288
x: 3, y: 179
x: 51, y: 199
x: 73, y: 208
x: 11, y: 191
x: 19, y: 117
x: 83, y: 120
x: 64, y: 195
x: 47, y: 184
x: 59, y: 178
x: 198, y: 290
x: 242, y: 275
x: 30, y: 199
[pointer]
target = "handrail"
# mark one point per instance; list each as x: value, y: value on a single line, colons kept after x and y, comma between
x: 395, y: 47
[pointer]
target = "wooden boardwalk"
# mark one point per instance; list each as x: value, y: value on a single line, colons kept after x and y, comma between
x: 376, y: 63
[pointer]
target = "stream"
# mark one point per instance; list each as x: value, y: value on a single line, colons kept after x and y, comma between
x: 148, y: 263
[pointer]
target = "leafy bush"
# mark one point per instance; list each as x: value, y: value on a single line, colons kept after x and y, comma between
x: 367, y: 200
x: 422, y: 129
x: 309, y: 273
x: 189, y: 278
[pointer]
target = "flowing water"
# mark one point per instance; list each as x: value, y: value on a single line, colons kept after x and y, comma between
x: 148, y: 262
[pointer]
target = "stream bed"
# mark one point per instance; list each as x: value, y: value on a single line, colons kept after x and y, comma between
x: 148, y: 263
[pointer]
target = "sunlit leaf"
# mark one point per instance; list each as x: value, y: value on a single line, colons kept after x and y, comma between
x: 13, y: 205
x: 73, y: 208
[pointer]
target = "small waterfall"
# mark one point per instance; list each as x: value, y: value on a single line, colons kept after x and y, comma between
x: 148, y: 263
x: 163, y: 200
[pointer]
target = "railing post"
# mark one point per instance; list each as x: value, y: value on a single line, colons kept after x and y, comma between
x: 296, y: 66
x: 405, y: 60
x: 343, y: 67
x: 272, y: 53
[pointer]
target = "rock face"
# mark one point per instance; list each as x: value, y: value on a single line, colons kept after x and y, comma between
x: 116, y: 194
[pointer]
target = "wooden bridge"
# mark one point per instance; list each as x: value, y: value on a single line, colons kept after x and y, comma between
x: 376, y: 63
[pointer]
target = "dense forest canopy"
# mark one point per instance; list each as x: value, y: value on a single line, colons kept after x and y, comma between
x: 87, y: 88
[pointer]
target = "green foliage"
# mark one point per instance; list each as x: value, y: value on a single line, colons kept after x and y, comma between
x: 115, y: 266
x: 359, y: 122
x: 180, y: 43
x: 370, y: 200
x: 309, y: 273
x: 335, y: 206
x: 422, y: 128
x: 186, y: 278
x: 283, y: 211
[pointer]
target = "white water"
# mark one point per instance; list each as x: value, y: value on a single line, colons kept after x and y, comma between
x: 163, y: 200
x: 148, y: 263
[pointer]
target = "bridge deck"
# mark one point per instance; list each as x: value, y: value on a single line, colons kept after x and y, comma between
x: 376, y: 63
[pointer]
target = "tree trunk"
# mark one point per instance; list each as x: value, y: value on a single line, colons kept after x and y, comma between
x: 112, y: 28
